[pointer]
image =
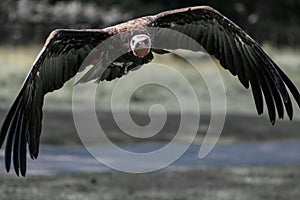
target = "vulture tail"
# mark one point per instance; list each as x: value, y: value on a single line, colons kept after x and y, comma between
x: 23, y: 125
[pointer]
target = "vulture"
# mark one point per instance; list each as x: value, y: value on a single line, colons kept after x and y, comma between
x: 66, y: 49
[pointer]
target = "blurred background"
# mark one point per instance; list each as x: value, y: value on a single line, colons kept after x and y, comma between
x: 29, y: 21
x: 25, y: 24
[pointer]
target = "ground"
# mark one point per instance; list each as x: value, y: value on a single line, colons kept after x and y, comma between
x: 238, y: 183
x: 242, y: 125
x: 264, y: 182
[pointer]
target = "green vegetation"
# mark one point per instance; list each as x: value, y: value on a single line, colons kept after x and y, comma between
x: 16, y: 62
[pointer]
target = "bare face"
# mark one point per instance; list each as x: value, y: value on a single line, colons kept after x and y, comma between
x: 140, y: 45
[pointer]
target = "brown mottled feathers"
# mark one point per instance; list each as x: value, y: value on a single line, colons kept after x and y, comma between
x: 66, y: 49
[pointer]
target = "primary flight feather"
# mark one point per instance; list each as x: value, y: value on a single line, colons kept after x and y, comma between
x: 66, y: 49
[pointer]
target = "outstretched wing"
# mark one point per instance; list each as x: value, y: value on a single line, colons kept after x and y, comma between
x: 59, y: 60
x: 236, y: 51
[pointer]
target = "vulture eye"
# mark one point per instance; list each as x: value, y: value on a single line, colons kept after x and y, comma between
x: 132, y: 42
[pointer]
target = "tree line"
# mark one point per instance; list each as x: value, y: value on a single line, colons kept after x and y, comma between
x: 27, y: 21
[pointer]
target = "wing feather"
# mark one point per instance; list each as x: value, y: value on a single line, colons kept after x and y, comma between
x: 245, y: 62
x: 237, y: 52
x: 275, y: 93
x: 60, y: 59
x: 225, y: 45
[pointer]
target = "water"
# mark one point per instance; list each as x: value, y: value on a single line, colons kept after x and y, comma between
x: 62, y: 160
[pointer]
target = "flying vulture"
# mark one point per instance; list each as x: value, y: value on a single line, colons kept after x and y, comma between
x: 66, y: 49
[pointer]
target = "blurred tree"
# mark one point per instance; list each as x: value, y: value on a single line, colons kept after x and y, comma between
x: 276, y: 21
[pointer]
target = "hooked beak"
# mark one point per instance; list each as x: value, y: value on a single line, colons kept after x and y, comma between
x: 141, y: 50
x: 140, y: 45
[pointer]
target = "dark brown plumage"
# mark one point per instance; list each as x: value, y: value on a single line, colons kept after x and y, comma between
x: 65, y: 50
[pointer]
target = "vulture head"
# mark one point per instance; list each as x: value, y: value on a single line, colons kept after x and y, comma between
x: 140, y: 45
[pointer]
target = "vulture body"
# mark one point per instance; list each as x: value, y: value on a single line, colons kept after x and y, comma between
x: 66, y: 49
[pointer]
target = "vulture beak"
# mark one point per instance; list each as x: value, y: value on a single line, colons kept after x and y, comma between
x: 140, y: 45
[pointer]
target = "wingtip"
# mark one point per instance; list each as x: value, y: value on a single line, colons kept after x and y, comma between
x: 259, y: 112
x: 23, y: 173
x: 290, y: 114
x: 7, y: 167
x: 17, y: 173
x: 2, y: 137
x: 34, y: 155
x: 273, y: 122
